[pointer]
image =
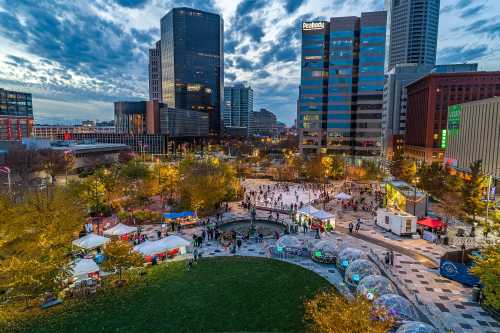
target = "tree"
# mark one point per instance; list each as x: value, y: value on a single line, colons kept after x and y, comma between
x: 472, y: 191
x: 119, y: 256
x: 55, y: 162
x: 487, y: 268
x: 135, y: 170
x: 372, y: 169
x: 403, y: 168
x: 35, y: 241
x: 23, y: 163
x: 328, y: 312
x: 314, y: 168
x: 334, y: 166
x: 125, y: 156
x: 168, y: 179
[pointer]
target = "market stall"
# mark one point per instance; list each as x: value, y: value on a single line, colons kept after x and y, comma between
x: 120, y: 230
x: 90, y: 241
x: 396, y: 221
x: 84, y: 269
x: 429, y: 228
x: 320, y: 219
x: 175, y: 245
x: 186, y: 218
x: 343, y: 196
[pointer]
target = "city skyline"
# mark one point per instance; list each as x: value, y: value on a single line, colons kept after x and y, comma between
x: 76, y: 70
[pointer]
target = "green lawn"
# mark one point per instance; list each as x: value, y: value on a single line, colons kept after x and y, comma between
x: 222, y: 295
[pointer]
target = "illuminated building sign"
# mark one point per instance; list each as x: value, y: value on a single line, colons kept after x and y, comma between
x: 443, y: 138
x: 454, y: 112
x: 313, y: 25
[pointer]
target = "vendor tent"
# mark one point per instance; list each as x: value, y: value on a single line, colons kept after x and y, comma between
x: 178, y: 215
x: 119, y: 230
x: 343, y: 196
x: 90, y: 241
x: 307, y: 210
x: 83, y: 267
x: 173, y: 242
x: 431, y: 223
x: 150, y: 248
x: 322, y: 215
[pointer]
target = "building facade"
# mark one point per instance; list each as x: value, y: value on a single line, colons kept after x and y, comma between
x: 263, y: 123
x: 473, y: 134
x: 395, y: 103
x: 16, y: 115
x: 413, y: 31
x: 179, y: 123
x: 342, y: 81
x: 53, y: 131
x: 428, y: 102
x: 455, y: 68
x: 238, y: 105
x: 192, y: 62
x: 155, y: 72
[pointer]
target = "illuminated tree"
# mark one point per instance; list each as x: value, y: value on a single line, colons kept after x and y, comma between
x: 328, y: 312
x: 403, y: 168
x: 487, y: 268
x: 119, y: 256
x: 472, y: 191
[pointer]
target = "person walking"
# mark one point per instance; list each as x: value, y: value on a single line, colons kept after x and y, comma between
x: 358, y: 225
x: 238, y: 243
x: 391, y: 258
x: 351, y: 226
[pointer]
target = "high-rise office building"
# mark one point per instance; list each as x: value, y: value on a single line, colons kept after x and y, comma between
x: 16, y: 115
x: 238, y: 104
x: 192, y: 60
x: 428, y: 102
x: 263, y: 123
x: 342, y: 83
x: 155, y: 72
x: 413, y: 31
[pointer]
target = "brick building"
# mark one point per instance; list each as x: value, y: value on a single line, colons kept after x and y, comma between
x: 428, y: 101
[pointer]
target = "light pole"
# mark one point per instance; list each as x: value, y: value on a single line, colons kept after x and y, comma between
x: 415, y: 181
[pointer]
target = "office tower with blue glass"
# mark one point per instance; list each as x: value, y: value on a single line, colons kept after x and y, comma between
x: 238, y: 105
x: 192, y: 62
x: 342, y: 81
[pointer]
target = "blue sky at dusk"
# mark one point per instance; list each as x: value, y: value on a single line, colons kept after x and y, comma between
x: 77, y: 57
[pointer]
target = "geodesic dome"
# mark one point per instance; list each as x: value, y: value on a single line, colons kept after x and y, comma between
x: 288, y: 242
x: 374, y: 286
x: 347, y: 256
x: 416, y: 327
x: 397, y: 306
x: 358, y: 269
x: 324, y: 251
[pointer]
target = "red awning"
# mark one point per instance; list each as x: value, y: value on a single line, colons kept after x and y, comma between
x: 431, y: 223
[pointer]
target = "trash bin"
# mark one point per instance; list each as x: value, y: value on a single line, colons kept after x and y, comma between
x: 445, y: 240
x: 476, y: 292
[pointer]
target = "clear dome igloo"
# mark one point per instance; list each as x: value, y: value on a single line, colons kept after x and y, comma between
x: 324, y: 252
x: 416, y: 327
x: 288, y: 243
x: 397, y: 306
x: 347, y: 256
x: 374, y: 286
x: 358, y: 269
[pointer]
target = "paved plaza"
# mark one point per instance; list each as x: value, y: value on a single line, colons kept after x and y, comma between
x: 448, y: 301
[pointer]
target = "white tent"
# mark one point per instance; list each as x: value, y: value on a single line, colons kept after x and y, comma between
x: 307, y: 210
x: 322, y: 215
x: 174, y: 242
x: 83, y: 267
x: 90, y: 241
x: 150, y: 248
x: 343, y: 196
x: 119, y: 230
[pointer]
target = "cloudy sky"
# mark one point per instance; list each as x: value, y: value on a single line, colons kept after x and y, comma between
x: 77, y: 57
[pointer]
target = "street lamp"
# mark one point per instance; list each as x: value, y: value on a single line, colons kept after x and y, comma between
x: 415, y: 181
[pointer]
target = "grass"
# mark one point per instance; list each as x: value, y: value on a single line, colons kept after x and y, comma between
x: 231, y: 294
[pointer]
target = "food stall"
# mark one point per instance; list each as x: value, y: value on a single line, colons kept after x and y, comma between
x: 90, y: 242
x: 429, y: 228
x: 320, y: 218
x: 84, y: 269
x: 396, y: 221
x: 175, y: 245
x: 186, y: 218
x: 121, y: 231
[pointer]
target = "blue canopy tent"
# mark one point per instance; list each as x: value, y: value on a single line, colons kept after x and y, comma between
x: 178, y: 215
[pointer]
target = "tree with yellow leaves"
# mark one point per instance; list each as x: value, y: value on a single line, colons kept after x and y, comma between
x: 119, y: 256
x: 36, y: 236
x: 329, y: 312
x: 487, y: 268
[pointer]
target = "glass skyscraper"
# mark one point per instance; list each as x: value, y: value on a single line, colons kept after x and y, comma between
x: 342, y: 83
x: 413, y: 31
x: 238, y: 105
x: 192, y: 60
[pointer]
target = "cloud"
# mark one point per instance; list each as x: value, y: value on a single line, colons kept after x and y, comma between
x: 95, y: 52
x: 462, y: 54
